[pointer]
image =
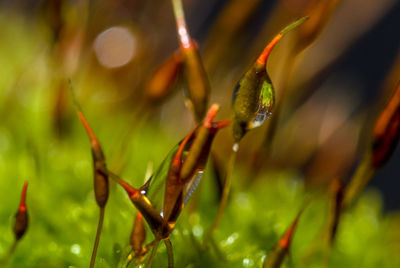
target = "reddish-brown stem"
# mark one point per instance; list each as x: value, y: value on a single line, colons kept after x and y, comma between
x: 170, y: 253
x: 10, y: 252
x: 97, y: 239
x: 153, y: 254
x: 225, y: 193
x: 92, y: 137
x: 181, y: 27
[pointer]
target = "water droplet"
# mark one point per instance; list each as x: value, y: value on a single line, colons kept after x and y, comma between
x: 261, y: 116
x: 197, y: 231
x: 265, y: 103
x: 235, y: 147
x: 230, y: 240
x: 76, y: 249
x: 192, y: 187
x: 248, y: 262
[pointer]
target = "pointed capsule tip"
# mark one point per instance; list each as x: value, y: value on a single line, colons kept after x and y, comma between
x: 211, y: 114
x: 132, y: 192
x: 22, y: 205
x: 263, y: 58
x: 293, y: 25
x: 286, y: 239
x: 176, y: 161
x: 92, y: 136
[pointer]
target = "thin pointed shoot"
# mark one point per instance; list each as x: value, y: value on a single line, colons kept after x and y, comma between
x: 254, y: 96
x: 198, y: 87
x: 161, y: 83
x: 101, y: 183
x: 21, y: 217
x: 386, y: 135
x: 281, y: 249
x: 186, y: 172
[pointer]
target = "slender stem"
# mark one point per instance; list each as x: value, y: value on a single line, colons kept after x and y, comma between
x: 153, y: 253
x: 225, y: 193
x: 181, y: 27
x: 170, y: 253
x: 9, y: 253
x: 131, y: 257
x: 362, y: 176
x: 97, y: 240
x: 113, y: 176
x: 326, y: 255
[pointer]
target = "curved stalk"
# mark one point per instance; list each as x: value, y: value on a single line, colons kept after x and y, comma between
x: 360, y: 179
x: 97, y: 240
x: 9, y: 253
x: 153, y: 254
x: 182, y: 29
x: 170, y: 253
x: 225, y: 192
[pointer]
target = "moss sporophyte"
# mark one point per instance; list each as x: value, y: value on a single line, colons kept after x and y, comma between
x: 197, y: 84
x: 20, y: 226
x: 254, y: 97
x: 385, y: 137
x: 176, y: 180
x: 252, y: 103
x: 101, y: 183
x: 260, y: 224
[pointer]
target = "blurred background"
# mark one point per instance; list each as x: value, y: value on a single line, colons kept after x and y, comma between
x: 332, y: 76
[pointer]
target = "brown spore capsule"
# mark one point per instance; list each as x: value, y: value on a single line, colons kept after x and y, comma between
x: 21, y: 217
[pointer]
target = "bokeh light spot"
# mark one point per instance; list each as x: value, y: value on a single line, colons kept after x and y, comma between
x: 115, y: 47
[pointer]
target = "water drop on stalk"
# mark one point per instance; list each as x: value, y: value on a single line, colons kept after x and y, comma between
x: 252, y: 103
x: 253, y: 98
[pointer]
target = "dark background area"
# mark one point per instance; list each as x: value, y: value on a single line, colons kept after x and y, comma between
x: 368, y: 60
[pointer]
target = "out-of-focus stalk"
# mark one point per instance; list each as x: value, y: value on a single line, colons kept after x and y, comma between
x: 384, y: 140
x: 101, y: 187
x: 227, y: 28
x: 20, y: 225
x: 252, y: 101
x: 198, y: 88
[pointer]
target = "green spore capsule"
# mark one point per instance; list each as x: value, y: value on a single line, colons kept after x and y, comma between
x: 254, y: 97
